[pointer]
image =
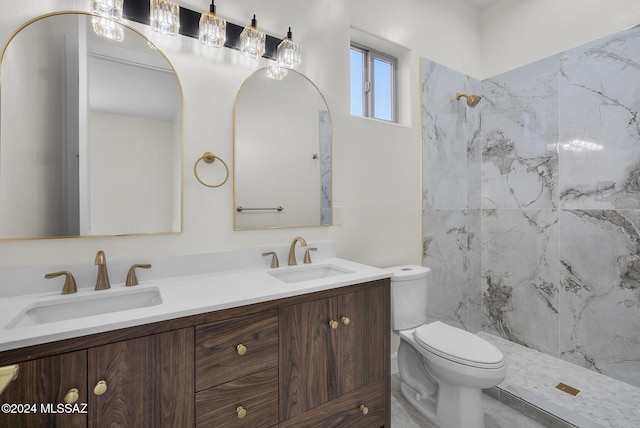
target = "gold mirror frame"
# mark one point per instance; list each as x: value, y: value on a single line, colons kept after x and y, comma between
x: 178, y: 228
x: 276, y: 208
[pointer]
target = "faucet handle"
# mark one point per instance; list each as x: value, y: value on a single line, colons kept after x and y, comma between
x: 132, y: 279
x: 69, y: 281
x: 307, y: 256
x: 274, y: 259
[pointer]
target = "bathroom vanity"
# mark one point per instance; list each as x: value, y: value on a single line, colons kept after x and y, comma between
x: 304, y: 352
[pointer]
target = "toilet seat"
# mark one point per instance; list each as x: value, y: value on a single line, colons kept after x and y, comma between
x: 458, y: 345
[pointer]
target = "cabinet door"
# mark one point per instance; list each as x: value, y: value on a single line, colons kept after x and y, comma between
x: 352, y: 315
x: 360, y: 343
x: 149, y: 382
x: 319, y: 363
x: 44, y: 383
x: 308, y: 367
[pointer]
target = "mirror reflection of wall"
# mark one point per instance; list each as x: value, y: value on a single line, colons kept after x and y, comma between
x: 282, y: 153
x: 90, y: 134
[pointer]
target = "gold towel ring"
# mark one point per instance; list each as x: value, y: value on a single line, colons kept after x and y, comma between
x: 209, y: 157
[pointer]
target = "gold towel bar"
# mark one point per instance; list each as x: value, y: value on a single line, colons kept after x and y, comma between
x: 209, y: 157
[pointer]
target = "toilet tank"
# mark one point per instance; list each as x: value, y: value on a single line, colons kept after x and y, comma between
x: 408, y: 296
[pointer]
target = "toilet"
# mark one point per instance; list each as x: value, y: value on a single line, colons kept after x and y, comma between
x: 443, y: 368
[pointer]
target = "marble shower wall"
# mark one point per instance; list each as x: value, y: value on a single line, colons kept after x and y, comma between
x: 451, y: 186
x: 545, y: 250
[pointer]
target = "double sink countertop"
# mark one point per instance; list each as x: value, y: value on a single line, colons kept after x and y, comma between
x: 37, y: 318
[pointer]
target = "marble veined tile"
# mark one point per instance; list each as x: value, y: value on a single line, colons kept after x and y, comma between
x: 520, y: 276
x: 600, y: 291
x: 600, y: 133
x: 449, y: 127
x: 533, y: 376
x: 446, y: 253
x: 519, y: 137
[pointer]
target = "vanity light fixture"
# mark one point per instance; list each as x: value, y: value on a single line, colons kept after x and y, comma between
x: 289, y: 53
x: 165, y: 17
x: 212, y: 28
x: 106, y: 22
x: 188, y: 22
x: 252, y: 41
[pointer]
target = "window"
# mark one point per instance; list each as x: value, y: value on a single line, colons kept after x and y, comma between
x: 373, y: 84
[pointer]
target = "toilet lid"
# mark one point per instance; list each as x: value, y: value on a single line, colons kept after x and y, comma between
x: 458, y: 345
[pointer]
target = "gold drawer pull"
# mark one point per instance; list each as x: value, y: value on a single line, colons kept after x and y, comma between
x: 333, y: 324
x: 100, y: 388
x: 241, y: 349
x: 241, y: 412
x: 72, y: 396
x: 345, y: 320
x: 364, y: 409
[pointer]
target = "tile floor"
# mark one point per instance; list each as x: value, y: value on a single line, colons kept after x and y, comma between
x: 530, y: 387
x: 602, y: 401
x: 497, y: 415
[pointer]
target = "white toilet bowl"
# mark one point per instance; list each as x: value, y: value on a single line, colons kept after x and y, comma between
x: 447, y: 389
x: 443, y: 368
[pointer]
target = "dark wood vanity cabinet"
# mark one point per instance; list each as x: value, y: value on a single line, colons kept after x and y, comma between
x: 273, y: 364
x: 142, y: 382
x: 46, y: 382
x: 237, y: 372
x: 333, y: 360
x: 148, y: 380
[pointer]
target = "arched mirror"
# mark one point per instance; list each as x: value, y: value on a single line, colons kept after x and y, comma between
x: 282, y: 153
x: 90, y: 133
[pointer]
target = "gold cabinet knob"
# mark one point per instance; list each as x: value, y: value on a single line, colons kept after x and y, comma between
x: 241, y: 349
x: 364, y: 409
x: 345, y: 320
x: 72, y: 396
x: 100, y: 388
x: 334, y: 324
x: 241, y: 411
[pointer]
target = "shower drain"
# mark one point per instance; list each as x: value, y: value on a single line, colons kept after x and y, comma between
x: 568, y: 389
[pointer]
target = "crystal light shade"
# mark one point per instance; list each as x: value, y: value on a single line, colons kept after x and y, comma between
x: 276, y: 72
x: 289, y: 53
x: 252, y: 41
x: 106, y: 25
x: 165, y: 17
x: 212, y: 29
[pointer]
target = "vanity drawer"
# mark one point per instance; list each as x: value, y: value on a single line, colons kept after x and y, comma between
x: 346, y: 410
x: 234, y: 348
x: 256, y: 394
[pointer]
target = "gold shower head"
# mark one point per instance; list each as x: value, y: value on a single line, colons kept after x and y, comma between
x: 472, y: 100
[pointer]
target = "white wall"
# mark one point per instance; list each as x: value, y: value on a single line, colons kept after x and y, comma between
x: 377, y: 167
x: 518, y: 32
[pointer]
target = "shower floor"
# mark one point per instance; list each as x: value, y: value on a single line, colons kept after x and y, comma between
x: 532, y: 378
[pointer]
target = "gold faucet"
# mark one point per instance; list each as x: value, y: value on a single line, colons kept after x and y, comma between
x: 292, y: 250
x: 70, y: 286
x: 102, y: 282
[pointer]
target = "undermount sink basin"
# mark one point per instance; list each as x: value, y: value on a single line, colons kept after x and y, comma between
x: 308, y: 273
x: 64, y: 308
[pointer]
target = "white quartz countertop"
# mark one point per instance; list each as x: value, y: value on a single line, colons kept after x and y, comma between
x: 181, y: 296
